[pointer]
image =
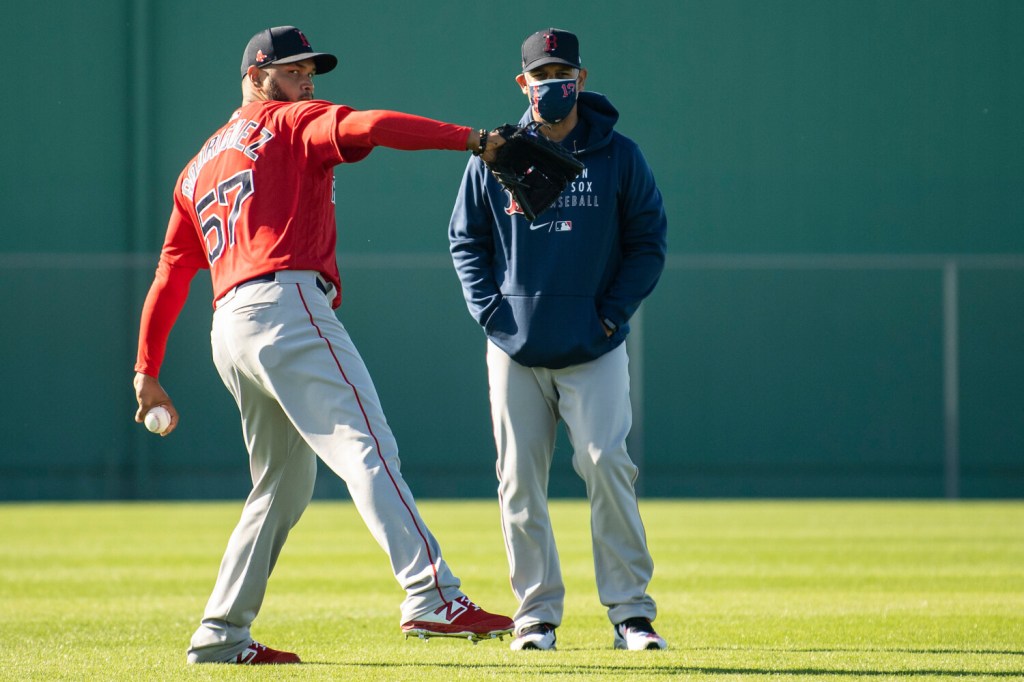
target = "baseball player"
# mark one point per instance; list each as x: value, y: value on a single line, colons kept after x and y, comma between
x: 256, y: 207
x: 554, y: 297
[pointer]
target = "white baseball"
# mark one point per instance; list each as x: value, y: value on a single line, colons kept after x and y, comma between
x: 158, y: 419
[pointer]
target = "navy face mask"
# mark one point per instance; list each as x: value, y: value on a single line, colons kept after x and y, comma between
x: 553, y: 99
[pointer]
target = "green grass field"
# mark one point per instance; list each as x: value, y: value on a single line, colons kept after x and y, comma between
x: 746, y: 590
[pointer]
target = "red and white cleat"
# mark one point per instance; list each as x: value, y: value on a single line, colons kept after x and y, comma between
x: 257, y: 654
x: 460, y: 618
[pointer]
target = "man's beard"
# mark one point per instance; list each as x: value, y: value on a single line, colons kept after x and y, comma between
x: 276, y: 94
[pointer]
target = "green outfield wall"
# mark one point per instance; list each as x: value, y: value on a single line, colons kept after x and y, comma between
x: 842, y: 312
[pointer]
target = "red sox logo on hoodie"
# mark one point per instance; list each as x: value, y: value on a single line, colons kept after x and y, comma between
x: 513, y: 205
x: 552, y: 225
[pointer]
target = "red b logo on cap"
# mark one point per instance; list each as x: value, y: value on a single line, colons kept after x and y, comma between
x: 550, y: 42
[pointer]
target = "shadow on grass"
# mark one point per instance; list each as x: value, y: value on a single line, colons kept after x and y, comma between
x: 871, y: 650
x: 620, y: 670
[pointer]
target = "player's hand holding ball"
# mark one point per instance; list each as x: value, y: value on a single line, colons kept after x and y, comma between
x: 158, y: 419
x: 155, y: 407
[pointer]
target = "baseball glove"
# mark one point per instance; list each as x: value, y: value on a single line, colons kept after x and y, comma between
x: 532, y: 168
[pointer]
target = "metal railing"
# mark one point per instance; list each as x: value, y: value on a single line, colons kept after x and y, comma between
x: 948, y: 265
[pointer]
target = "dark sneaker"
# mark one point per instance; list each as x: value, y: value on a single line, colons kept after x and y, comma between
x: 460, y: 618
x: 536, y: 636
x: 257, y: 654
x: 636, y: 634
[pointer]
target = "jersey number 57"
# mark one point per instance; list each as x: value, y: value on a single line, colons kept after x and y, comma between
x: 214, y: 215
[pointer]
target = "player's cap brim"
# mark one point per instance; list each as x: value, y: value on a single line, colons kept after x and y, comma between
x: 324, y: 62
x: 548, y: 60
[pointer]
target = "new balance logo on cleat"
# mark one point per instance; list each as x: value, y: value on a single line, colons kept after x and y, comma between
x: 257, y: 654
x: 451, y: 610
x: 462, y: 619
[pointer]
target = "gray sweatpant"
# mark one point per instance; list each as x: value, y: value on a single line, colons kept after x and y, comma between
x: 303, y: 391
x: 592, y: 399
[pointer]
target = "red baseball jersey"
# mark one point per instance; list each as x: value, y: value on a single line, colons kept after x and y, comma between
x: 259, y: 197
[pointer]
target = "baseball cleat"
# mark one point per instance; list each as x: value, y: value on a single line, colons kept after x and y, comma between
x: 257, y: 654
x: 636, y: 634
x: 461, y: 619
x: 537, y: 636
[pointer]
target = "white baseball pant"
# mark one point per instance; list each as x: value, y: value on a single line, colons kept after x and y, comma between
x: 592, y: 399
x: 304, y: 392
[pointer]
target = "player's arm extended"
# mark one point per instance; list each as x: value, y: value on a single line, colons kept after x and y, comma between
x: 363, y: 130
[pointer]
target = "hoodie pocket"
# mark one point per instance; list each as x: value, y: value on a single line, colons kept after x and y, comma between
x: 548, y: 331
x: 501, y: 325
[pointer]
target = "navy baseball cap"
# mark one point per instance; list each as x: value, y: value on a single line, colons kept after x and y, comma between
x: 283, y: 45
x: 551, y: 46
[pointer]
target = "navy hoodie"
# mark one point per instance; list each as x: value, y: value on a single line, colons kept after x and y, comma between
x: 541, y: 290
